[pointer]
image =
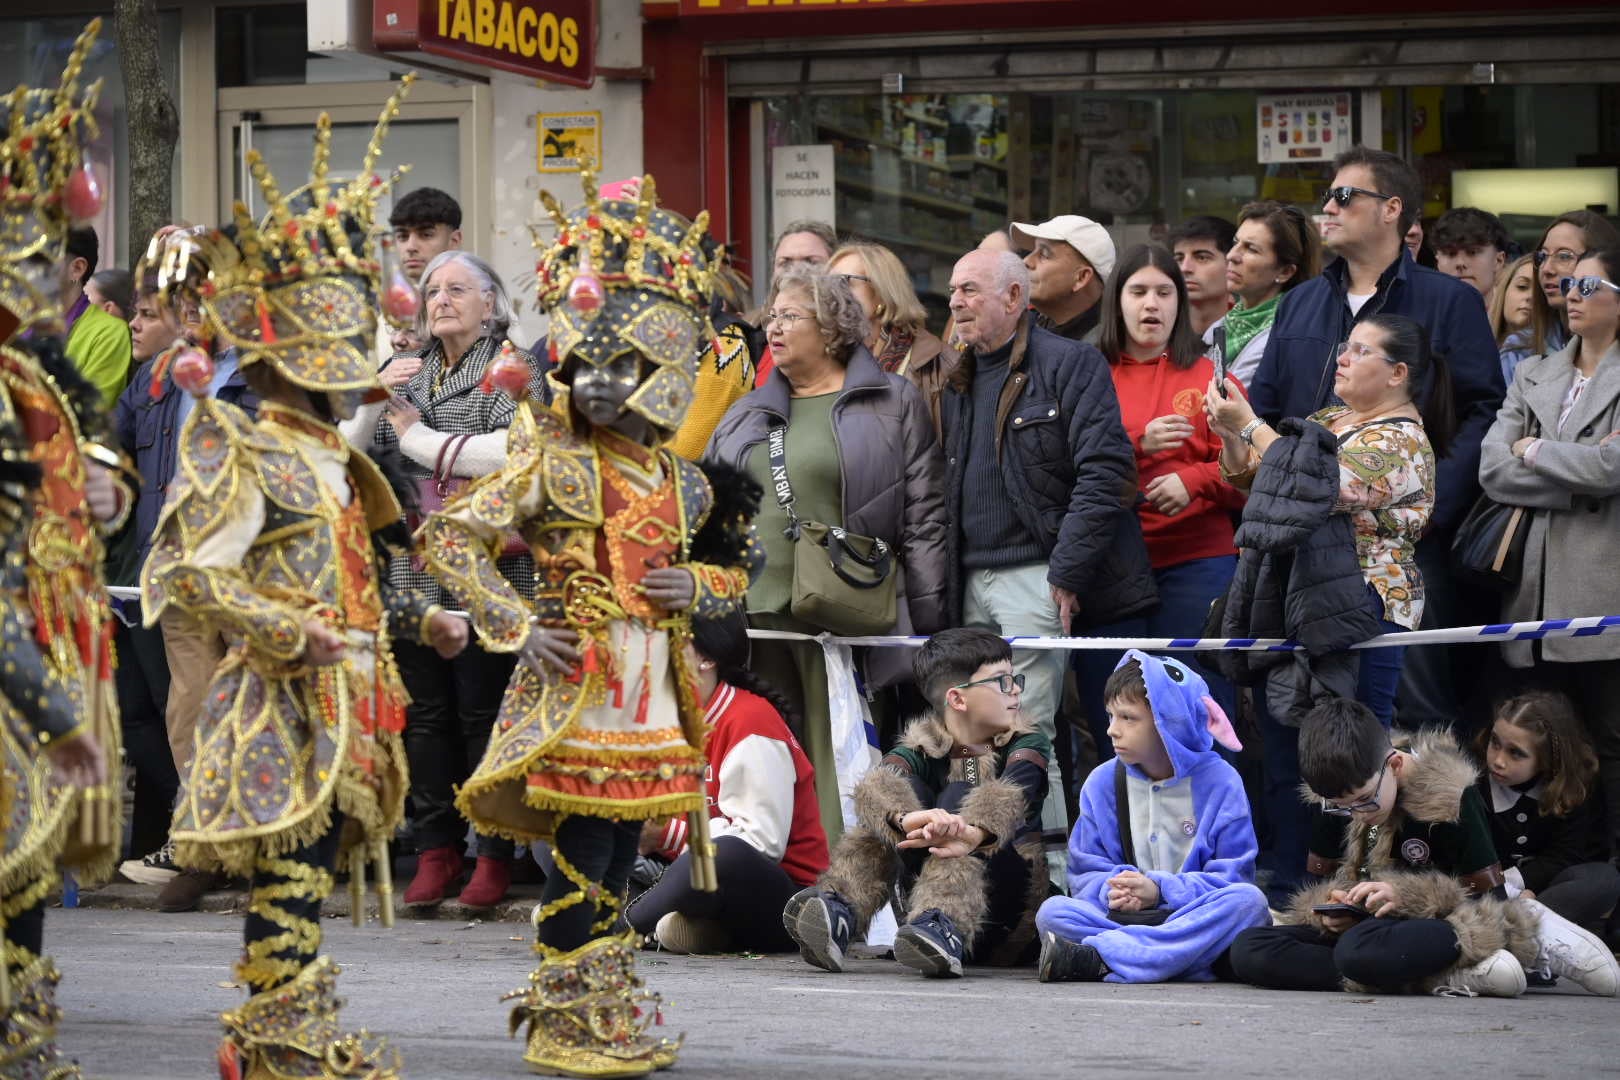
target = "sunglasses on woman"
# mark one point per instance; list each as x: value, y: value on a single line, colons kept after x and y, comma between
x: 1587, y: 285
x: 1344, y: 193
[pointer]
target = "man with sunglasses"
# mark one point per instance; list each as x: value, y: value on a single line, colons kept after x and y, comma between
x: 1412, y: 895
x: 1374, y: 198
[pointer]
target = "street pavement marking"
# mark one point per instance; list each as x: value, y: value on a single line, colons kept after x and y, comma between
x: 1161, y: 1002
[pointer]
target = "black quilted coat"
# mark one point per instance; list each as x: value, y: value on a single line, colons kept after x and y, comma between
x: 1069, y: 470
x: 1298, y: 577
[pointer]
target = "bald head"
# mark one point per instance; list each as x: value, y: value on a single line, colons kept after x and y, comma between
x: 989, y: 293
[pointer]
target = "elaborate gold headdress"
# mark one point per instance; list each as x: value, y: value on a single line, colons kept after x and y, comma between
x: 45, y: 182
x: 624, y: 276
x: 298, y: 289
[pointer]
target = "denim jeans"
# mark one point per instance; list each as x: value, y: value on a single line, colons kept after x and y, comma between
x: 1186, y: 591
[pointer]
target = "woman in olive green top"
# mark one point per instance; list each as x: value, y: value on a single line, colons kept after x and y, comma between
x: 860, y: 453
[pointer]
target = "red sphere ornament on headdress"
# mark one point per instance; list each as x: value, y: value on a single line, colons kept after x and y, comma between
x: 193, y: 371
x: 82, y: 196
x: 585, y: 292
x: 399, y: 299
x: 509, y: 372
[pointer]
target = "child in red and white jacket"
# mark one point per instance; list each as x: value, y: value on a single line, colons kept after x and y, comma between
x: 763, y: 814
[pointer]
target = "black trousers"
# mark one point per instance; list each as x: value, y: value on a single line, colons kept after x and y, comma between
x: 27, y: 930
x: 1387, y: 954
x: 270, y: 914
x: 1585, y: 893
x: 601, y: 850
x: 753, y: 891
x: 453, y: 708
x: 142, y: 682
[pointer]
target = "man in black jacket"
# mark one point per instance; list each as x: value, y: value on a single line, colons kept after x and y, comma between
x: 1040, y: 483
x: 1374, y: 199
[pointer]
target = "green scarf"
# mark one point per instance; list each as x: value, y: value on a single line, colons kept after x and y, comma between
x: 1243, y: 323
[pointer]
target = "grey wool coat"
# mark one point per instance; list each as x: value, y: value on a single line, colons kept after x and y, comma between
x: 1573, y: 546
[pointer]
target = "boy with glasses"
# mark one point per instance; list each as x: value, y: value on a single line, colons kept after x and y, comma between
x: 1161, y: 864
x: 953, y: 814
x: 1412, y: 898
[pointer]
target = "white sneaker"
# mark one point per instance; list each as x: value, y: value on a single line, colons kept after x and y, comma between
x: 155, y: 869
x: 679, y: 933
x: 1575, y: 954
x: 1498, y: 975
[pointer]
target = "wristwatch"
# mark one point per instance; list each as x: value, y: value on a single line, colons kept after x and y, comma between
x: 1247, y: 434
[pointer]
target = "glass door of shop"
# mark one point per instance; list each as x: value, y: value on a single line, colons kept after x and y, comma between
x: 434, y: 138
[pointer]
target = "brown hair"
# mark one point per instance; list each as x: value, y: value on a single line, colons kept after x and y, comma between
x: 887, y: 275
x: 1567, y: 764
x: 1126, y: 684
x: 1597, y: 232
x: 1496, y: 307
x: 1184, y: 346
x: 1294, y: 239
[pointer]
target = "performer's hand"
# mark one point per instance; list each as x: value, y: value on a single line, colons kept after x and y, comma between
x: 672, y: 588
x: 79, y: 761
x: 399, y: 371
x: 322, y: 644
x: 447, y: 634
x: 99, y: 491
x: 550, y: 649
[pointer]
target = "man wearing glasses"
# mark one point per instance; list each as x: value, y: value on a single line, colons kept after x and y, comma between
x: 1373, y: 200
x: 1412, y: 898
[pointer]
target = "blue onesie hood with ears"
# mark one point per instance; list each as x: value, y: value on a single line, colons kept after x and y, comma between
x: 1188, y: 719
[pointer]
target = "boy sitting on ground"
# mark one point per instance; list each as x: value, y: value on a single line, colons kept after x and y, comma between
x: 1161, y: 862
x: 1414, y: 898
x: 951, y: 815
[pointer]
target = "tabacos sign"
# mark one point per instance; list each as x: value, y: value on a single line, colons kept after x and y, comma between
x: 543, y: 39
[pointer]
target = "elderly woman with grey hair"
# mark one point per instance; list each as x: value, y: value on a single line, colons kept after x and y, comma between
x: 860, y: 453
x: 444, y: 425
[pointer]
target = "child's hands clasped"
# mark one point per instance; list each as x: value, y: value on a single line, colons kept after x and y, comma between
x: 943, y: 833
x: 1132, y: 890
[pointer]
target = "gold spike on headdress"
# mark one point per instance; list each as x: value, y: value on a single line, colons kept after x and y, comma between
x: 45, y: 183
x: 298, y: 288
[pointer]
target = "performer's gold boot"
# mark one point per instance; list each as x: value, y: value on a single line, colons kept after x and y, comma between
x: 291, y: 1032
x: 28, y: 1029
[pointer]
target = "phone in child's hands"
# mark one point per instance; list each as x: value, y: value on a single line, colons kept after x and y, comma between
x: 1355, y: 911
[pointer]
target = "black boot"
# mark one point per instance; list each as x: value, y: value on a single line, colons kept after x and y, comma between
x: 1066, y: 961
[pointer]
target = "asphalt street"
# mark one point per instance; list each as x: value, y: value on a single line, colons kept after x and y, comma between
x: 141, y: 991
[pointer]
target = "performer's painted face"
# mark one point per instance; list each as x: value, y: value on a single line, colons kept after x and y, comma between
x: 599, y: 393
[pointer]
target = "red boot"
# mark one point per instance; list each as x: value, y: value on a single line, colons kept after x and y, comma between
x: 491, y: 878
x: 437, y: 871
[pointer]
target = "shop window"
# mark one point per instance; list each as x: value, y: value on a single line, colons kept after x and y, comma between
x: 261, y: 44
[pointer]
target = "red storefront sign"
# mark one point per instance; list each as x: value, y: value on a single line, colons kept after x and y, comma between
x: 543, y: 39
x: 733, y: 7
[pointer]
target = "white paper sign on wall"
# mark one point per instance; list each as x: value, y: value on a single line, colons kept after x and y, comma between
x: 1301, y: 127
x: 802, y: 185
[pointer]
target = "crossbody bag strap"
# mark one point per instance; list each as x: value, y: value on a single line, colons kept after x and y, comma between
x: 1122, y: 811
x: 776, y: 449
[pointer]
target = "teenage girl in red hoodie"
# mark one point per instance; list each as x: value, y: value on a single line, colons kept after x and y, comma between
x: 1160, y: 374
x: 763, y: 814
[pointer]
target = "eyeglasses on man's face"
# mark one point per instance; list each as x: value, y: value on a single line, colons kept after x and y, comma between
x: 1368, y: 804
x: 1587, y: 285
x: 1344, y: 193
x: 1006, y: 683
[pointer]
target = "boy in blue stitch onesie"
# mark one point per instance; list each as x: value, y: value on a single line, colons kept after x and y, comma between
x: 1161, y: 862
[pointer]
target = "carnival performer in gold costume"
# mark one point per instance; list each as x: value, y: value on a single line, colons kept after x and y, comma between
x: 275, y: 533
x: 601, y: 728
x: 58, y: 710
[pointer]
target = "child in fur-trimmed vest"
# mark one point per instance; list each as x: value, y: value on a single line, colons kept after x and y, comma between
x: 952, y: 816
x: 1413, y: 900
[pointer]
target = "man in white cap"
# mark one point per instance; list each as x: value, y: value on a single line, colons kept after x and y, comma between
x: 1069, y: 259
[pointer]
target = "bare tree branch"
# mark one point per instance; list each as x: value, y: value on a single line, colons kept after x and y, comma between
x: 154, y: 124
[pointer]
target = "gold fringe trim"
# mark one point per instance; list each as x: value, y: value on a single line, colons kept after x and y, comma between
x: 614, y: 809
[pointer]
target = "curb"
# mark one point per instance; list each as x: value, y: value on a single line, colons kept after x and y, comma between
x: 130, y: 896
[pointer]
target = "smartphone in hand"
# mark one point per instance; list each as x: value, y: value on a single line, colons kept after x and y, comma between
x: 1354, y: 911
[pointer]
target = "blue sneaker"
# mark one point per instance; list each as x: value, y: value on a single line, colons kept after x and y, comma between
x: 930, y: 944
x: 820, y: 921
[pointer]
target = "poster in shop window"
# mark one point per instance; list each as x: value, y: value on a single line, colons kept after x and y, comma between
x: 802, y: 185
x: 566, y: 139
x: 1301, y: 127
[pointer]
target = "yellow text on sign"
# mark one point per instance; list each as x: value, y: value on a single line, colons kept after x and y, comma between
x: 521, y: 31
